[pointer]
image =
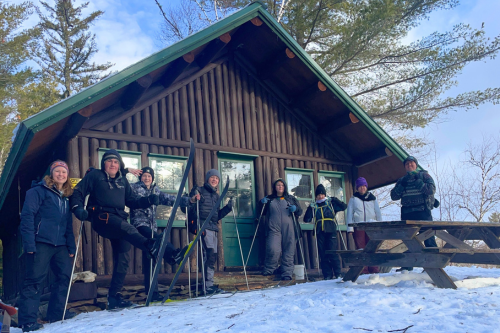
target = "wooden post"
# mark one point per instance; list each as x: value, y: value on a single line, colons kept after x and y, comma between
x: 199, y: 111
x: 170, y: 116
x: 234, y: 105
x: 227, y: 104
x: 185, y: 131
x: 277, y: 132
x: 288, y: 128
x: 155, y: 123
x: 137, y: 124
x: 213, y: 108
x: 265, y: 120
x: 239, y: 107
x: 87, y: 238
x: 177, y: 116
x: 97, y: 241
x: 74, y: 172
x: 219, y: 87
x: 146, y: 122
x: 206, y: 109
x: 192, y: 112
x: 253, y: 113
x: 246, y: 109
x: 260, y: 178
x: 163, y: 118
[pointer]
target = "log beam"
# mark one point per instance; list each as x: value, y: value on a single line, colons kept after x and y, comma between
x: 176, y: 68
x: 308, y: 93
x: 273, y: 64
x: 212, y: 50
x: 134, y: 91
x: 338, y: 123
x: 372, y: 156
x: 185, y: 144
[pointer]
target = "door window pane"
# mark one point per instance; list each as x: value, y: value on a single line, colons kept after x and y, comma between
x: 334, y: 186
x: 240, y: 187
x: 299, y: 185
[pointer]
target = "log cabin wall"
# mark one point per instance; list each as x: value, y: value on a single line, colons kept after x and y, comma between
x: 222, y: 109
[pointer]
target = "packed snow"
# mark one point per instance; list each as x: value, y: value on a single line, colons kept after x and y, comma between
x: 374, y: 303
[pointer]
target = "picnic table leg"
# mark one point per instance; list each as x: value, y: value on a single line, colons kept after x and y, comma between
x: 438, y: 275
x: 371, y: 247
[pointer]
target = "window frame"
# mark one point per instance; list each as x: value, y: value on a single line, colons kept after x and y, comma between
x: 161, y: 223
x: 302, y: 171
x: 336, y: 174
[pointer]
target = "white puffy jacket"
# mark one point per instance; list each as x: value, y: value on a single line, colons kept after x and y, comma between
x: 362, y: 211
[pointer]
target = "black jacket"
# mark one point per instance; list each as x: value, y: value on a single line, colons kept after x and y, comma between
x: 325, y: 207
x: 46, y: 218
x: 289, y: 198
x: 107, y: 194
x: 208, y: 198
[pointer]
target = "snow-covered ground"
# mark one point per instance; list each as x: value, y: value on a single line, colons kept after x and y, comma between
x: 376, y: 303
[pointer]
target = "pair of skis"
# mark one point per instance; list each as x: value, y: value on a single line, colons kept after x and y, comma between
x: 168, y: 229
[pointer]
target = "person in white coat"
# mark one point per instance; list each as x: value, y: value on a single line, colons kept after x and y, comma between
x: 362, y: 207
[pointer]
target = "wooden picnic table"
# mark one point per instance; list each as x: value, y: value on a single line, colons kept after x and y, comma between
x: 412, y: 253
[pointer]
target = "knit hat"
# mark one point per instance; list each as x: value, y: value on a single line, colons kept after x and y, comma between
x: 410, y: 158
x: 150, y: 171
x: 112, y: 154
x: 56, y: 164
x: 211, y: 173
x: 320, y: 189
x: 361, y: 182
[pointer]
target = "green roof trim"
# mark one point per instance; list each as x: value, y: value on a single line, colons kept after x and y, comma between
x: 72, y: 104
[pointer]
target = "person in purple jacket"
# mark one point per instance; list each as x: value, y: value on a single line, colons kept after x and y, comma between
x: 48, y: 241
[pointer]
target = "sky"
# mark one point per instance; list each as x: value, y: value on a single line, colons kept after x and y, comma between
x: 128, y: 32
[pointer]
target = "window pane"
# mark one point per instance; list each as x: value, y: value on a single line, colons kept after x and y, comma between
x: 163, y: 213
x: 334, y: 188
x: 240, y: 176
x: 168, y: 174
x: 131, y: 162
x: 299, y: 185
x: 303, y: 204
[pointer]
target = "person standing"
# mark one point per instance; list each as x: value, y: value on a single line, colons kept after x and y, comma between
x: 48, y: 241
x: 363, y: 207
x: 144, y: 219
x: 416, y: 191
x: 109, y: 193
x: 280, y: 229
x: 208, y: 196
x: 324, y: 211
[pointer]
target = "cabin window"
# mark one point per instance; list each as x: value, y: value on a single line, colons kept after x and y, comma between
x: 241, y: 186
x: 335, y: 187
x: 131, y: 159
x: 168, y: 175
x: 301, y: 185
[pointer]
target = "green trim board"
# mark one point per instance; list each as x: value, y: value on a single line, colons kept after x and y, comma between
x: 74, y: 103
x: 121, y: 151
x: 298, y: 169
x: 239, y: 156
x: 170, y: 157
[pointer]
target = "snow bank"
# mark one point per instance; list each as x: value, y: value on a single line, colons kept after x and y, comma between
x: 377, y: 303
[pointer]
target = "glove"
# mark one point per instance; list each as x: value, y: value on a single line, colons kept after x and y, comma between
x: 265, y: 200
x: 350, y: 229
x: 154, y: 199
x: 230, y: 203
x: 292, y: 209
x: 419, y: 183
x: 80, y: 213
x: 404, y: 180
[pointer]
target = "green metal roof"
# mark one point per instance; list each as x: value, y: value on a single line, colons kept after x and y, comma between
x: 72, y: 104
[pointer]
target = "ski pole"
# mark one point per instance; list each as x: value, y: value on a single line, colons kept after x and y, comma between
x: 255, y: 234
x: 341, y: 237
x: 299, y: 232
x: 187, y: 239
x: 74, y: 259
x: 317, y: 250
x: 241, y: 249
x: 201, y: 246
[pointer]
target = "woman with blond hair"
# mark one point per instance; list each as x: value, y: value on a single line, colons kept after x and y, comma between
x: 48, y: 241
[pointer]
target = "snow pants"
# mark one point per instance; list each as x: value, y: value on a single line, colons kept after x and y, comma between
x: 280, y: 240
x: 209, y: 243
x: 37, y: 267
x: 330, y: 263
x: 147, y: 269
x: 121, y: 234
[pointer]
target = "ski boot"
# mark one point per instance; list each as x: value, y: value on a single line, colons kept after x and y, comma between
x: 117, y: 302
x: 31, y: 327
x: 214, y: 290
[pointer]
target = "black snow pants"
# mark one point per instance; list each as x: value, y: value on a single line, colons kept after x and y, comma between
x: 330, y: 263
x: 121, y: 234
x: 37, y: 267
x: 425, y: 215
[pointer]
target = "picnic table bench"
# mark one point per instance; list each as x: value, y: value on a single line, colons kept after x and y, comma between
x: 412, y: 253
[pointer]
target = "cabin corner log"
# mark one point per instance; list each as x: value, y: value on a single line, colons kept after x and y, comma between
x: 134, y: 91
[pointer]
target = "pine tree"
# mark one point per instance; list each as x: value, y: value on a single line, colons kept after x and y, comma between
x: 67, y: 46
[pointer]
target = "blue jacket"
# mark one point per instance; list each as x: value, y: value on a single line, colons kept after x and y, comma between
x: 46, y: 218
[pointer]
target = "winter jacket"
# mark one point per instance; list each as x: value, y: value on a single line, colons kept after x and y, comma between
x: 362, y: 208
x: 107, y: 194
x: 416, y: 191
x: 290, y: 199
x: 208, y: 198
x: 46, y: 218
x: 325, y: 218
x: 147, y: 216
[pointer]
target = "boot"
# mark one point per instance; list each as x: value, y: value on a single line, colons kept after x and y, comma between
x: 117, y: 301
x: 32, y: 327
x: 214, y: 290
x: 68, y: 315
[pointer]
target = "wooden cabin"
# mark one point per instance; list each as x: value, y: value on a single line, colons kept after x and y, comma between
x: 257, y: 107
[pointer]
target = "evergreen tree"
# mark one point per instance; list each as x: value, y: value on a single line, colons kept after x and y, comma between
x: 67, y: 46
x: 361, y: 45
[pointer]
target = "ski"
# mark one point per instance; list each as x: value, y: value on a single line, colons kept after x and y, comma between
x: 166, y: 232
x: 198, y: 235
